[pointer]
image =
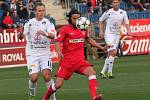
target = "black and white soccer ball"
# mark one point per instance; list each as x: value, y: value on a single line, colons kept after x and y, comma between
x: 82, y: 23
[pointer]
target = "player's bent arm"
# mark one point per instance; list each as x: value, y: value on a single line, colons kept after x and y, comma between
x: 101, y: 33
x: 93, y: 43
x: 128, y: 29
x: 57, y: 47
x: 24, y: 31
x: 50, y: 35
x: 21, y: 36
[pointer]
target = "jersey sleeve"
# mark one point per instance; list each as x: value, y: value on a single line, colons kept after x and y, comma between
x: 61, y: 35
x: 125, y: 18
x: 26, y: 28
x: 104, y: 16
x: 51, y: 28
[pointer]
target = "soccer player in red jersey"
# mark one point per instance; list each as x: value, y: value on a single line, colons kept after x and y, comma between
x: 72, y: 57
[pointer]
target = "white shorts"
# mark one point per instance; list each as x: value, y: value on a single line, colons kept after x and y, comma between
x: 112, y: 40
x: 36, y: 64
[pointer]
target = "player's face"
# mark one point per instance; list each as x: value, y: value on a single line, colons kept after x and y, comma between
x: 40, y: 12
x: 116, y: 4
x: 74, y: 18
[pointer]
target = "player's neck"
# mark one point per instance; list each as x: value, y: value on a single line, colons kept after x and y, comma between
x: 115, y: 9
x: 39, y: 19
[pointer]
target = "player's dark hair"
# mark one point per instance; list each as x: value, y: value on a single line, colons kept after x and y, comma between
x: 69, y: 15
x: 39, y: 4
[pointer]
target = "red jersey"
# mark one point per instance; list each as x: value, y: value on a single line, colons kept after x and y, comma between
x: 73, y: 42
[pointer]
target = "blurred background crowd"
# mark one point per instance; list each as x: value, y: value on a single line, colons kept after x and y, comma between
x: 14, y: 13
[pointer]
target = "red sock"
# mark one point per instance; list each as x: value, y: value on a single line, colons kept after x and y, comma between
x: 52, y: 89
x: 92, y: 85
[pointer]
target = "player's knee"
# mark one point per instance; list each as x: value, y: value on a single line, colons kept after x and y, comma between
x: 90, y: 71
x: 34, y: 79
x: 93, y: 72
x: 46, y: 75
x: 113, y: 53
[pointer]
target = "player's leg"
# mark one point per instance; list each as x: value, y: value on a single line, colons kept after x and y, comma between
x: 112, y: 53
x: 63, y: 73
x: 111, y: 62
x: 105, y: 67
x: 46, y: 67
x: 53, y: 88
x: 86, y: 69
x: 90, y: 73
x: 32, y: 83
x: 109, y: 40
x: 33, y: 69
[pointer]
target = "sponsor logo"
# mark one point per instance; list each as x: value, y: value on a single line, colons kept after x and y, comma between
x: 12, y: 57
x: 137, y: 28
x: 9, y: 37
x: 76, y: 40
x: 136, y: 45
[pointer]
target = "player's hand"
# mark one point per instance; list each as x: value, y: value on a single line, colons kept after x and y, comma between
x: 105, y: 48
x: 20, y: 35
x: 40, y: 32
x: 60, y: 56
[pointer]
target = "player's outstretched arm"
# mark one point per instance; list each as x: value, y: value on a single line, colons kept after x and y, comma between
x: 21, y: 35
x: 49, y: 35
x: 93, y: 43
x: 57, y: 47
x: 128, y: 29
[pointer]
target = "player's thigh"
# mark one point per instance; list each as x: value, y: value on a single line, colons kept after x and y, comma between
x: 45, y: 62
x: 110, y: 40
x: 32, y: 64
x: 85, y: 68
x: 65, y: 70
x: 117, y: 37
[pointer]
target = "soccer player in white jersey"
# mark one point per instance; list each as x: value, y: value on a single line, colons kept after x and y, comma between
x: 39, y: 31
x: 114, y: 18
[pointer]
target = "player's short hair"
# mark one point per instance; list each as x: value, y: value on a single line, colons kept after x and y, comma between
x: 69, y: 15
x: 39, y: 4
x: 116, y: 0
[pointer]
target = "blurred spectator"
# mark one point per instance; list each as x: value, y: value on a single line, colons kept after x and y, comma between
x: 89, y: 6
x: 22, y: 10
x: 3, y: 5
x: 16, y: 19
x: 63, y: 4
x: 51, y: 19
x: 137, y: 4
x: 56, y: 2
x: 12, y: 6
x: 7, y: 21
x: 30, y: 8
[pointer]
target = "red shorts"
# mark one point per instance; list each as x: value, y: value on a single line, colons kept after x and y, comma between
x: 67, y: 68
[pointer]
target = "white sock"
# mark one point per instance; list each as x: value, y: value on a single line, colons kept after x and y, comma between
x: 52, y: 97
x: 111, y: 62
x: 106, y: 65
x: 32, y: 88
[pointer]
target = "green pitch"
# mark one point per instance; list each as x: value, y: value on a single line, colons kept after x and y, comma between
x: 131, y: 82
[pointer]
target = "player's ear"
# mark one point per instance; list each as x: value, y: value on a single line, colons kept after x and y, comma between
x: 67, y: 17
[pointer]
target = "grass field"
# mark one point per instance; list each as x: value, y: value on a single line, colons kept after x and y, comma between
x: 132, y: 82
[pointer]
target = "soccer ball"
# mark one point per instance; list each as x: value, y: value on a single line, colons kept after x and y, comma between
x: 82, y: 23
